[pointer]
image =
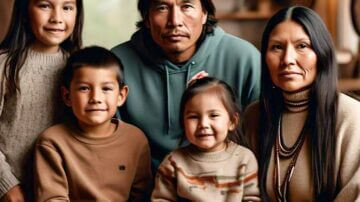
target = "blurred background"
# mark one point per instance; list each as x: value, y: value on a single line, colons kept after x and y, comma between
x: 110, y: 22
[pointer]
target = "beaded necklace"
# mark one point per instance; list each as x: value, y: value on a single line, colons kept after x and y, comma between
x: 284, y: 152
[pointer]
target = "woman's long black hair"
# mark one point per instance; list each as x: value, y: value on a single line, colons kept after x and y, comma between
x: 322, y: 105
x: 19, y: 38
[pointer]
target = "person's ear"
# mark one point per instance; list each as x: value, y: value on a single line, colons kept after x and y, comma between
x: 122, y: 95
x: 204, y: 17
x: 65, y: 94
x: 234, y: 122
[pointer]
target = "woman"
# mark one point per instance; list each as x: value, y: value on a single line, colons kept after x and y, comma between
x: 308, y: 142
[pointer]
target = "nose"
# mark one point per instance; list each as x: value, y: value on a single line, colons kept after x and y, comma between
x: 56, y: 16
x: 204, y: 123
x: 175, y: 17
x: 289, y: 57
x: 95, y: 97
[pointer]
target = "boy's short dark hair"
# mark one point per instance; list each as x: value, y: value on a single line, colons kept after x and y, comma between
x: 93, y: 56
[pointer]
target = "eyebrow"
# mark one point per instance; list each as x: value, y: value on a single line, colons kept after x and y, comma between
x: 158, y: 1
x: 102, y: 83
x: 70, y: 2
x: 164, y: 1
x: 52, y: 1
x: 297, y: 40
x: 191, y: 111
x: 188, y: 1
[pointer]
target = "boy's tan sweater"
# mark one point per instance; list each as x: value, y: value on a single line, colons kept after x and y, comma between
x: 72, y: 167
x: 347, y: 158
x: 227, y: 175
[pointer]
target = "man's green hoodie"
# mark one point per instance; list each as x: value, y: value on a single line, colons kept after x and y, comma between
x: 156, y: 84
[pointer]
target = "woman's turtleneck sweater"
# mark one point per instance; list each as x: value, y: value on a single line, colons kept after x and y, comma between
x: 293, y: 120
x: 347, y: 152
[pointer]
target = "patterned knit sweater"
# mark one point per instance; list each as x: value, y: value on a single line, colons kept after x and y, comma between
x: 24, y: 115
x: 347, y: 158
x: 227, y: 175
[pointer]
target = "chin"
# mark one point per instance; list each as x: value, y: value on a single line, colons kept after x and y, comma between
x: 294, y: 89
x: 174, y: 50
x: 205, y: 147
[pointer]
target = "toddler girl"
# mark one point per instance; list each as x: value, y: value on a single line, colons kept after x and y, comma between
x: 212, y: 167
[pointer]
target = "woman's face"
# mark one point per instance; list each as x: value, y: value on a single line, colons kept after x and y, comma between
x: 290, y: 57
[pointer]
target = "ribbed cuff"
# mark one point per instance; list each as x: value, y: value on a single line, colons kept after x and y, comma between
x: 7, y: 181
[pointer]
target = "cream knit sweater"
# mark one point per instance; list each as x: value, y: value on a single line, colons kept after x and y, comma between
x: 347, y: 158
x: 24, y: 115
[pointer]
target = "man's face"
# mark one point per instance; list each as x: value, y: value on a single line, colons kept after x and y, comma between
x: 176, y: 25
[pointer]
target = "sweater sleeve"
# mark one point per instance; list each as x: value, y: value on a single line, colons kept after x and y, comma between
x: 141, y: 186
x: 50, y: 178
x: 348, y: 151
x: 7, y: 178
x: 165, y: 182
x: 249, y: 126
x: 251, y: 187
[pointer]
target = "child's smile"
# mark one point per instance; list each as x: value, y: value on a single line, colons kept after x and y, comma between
x: 94, y: 96
x: 52, y: 22
x: 207, y: 122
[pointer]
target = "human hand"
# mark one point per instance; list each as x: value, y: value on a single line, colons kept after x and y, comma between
x: 198, y: 75
x: 13, y: 195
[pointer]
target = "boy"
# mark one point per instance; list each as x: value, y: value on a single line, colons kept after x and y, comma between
x: 92, y: 157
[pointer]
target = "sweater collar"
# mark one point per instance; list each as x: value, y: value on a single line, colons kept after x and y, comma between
x: 81, y: 136
x: 199, y: 155
x: 297, y: 101
x: 46, y: 58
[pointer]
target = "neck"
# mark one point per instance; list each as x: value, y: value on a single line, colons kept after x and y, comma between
x: 182, y: 57
x: 45, y: 49
x: 98, y: 131
x: 297, y: 101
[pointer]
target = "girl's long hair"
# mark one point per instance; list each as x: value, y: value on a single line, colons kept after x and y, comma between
x: 322, y: 106
x: 19, y: 38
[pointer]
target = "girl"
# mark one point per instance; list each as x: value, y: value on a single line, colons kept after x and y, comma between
x: 41, y: 35
x: 212, y: 167
x: 305, y: 132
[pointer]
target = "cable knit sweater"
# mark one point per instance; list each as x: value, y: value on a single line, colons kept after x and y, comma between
x: 227, y: 175
x: 24, y: 115
x: 347, y: 158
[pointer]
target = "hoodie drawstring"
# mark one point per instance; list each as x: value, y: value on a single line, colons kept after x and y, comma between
x: 168, y: 92
x: 167, y: 99
x: 188, y: 74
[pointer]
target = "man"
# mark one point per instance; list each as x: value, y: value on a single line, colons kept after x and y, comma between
x: 178, y: 40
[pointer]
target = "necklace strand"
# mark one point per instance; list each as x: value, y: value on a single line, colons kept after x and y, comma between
x: 282, y: 151
x: 285, y: 151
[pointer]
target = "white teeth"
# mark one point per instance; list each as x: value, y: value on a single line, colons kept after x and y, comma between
x: 54, y: 30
